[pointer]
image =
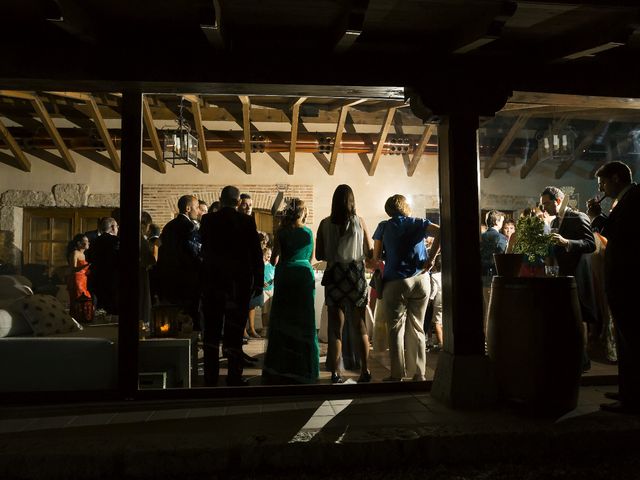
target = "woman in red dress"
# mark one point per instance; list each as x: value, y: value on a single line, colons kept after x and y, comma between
x: 80, y: 304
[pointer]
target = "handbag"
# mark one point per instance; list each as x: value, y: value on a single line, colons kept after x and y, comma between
x: 377, y: 283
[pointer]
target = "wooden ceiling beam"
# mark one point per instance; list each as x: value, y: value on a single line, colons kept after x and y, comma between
x: 384, y: 131
x: 518, y: 125
x: 83, y: 97
x: 337, y: 140
x: 422, y: 144
x: 344, y: 111
x: 47, y: 121
x: 535, y: 157
x: 202, y: 142
x: 581, y: 101
x: 295, y: 121
x: 345, y: 102
x: 21, y: 158
x: 17, y: 94
x: 246, y: 128
x: 153, y: 135
x: 103, y: 131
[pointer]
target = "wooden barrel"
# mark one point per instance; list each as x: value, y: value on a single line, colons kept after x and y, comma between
x: 535, y: 341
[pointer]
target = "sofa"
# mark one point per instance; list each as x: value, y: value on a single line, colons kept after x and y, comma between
x: 43, y: 349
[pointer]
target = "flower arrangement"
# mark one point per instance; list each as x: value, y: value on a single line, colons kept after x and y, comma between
x: 531, y: 239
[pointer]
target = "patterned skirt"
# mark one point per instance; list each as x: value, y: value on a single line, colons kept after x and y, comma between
x: 345, y: 285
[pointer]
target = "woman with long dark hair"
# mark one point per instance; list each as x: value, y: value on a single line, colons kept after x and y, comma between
x: 343, y: 241
x: 80, y: 304
x: 292, y: 352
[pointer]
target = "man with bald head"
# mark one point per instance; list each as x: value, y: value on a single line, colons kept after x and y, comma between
x: 232, y: 273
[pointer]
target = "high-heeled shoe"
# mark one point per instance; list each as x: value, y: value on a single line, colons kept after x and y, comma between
x: 365, y: 377
x: 335, y: 378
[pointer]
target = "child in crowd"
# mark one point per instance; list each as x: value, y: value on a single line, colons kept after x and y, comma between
x: 269, y: 273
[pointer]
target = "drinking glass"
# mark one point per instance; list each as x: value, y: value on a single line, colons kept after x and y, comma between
x: 551, y: 270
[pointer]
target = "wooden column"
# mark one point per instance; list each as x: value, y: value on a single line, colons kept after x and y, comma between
x: 463, y: 377
x: 130, y: 208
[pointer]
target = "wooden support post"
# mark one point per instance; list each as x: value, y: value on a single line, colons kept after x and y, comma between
x: 463, y: 375
x: 129, y: 271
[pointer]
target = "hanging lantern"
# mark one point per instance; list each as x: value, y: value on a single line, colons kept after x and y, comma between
x: 179, y: 146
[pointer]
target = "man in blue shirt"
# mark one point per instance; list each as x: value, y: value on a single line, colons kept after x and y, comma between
x: 406, y: 285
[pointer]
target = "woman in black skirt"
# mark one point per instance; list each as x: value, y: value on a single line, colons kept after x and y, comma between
x: 343, y: 241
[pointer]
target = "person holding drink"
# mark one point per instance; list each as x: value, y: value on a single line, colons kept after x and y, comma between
x: 621, y: 228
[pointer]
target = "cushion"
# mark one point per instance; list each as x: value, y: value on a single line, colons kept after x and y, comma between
x: 45, y: 315
x: 12, y: 325
x: 13, y: 287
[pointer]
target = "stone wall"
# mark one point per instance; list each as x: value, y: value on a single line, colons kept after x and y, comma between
x: 161, y: 201
x: 63, y: 195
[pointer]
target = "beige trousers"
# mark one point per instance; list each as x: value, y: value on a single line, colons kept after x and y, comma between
x: 403, y: 306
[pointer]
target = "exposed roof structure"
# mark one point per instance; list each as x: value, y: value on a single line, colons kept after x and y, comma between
x: 89, y: 124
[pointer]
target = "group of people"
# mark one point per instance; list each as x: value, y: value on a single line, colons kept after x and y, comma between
x: 92, y: 282
x: 599, y: 251
x: 225, y: 266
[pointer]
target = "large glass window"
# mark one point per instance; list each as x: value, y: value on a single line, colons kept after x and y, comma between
x: 282, y: 151
x: 59, y: 175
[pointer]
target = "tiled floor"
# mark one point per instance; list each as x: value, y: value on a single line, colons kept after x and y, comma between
x: 378, y: 364
x: 373, y: 410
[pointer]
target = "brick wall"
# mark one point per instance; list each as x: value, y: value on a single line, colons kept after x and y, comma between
x: 161, y: 201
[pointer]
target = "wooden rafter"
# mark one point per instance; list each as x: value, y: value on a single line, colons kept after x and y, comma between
x: 22, y: 159
x: 338, y: 139
x: 422, y: 144
x: 518, y: 125
x: 103, y: 131
x: 344, y: 111
x: 47, y: 121
x: 295, y: 120
x: 98, y: 120
x: 384, y: 131
x: 533, y: 160
x: 246, y: 128
x: 202, y: 143
x: 586, y: 141
x: 153, y: 135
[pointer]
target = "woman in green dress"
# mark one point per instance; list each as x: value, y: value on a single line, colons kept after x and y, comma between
x: 292, y: 352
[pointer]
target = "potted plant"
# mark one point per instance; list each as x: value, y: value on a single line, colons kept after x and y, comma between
x: 531, y: 246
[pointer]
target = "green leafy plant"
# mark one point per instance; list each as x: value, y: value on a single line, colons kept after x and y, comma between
x: 531, y: 239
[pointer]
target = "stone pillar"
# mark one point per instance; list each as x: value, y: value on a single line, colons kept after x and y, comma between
x: 463, y: 376
x: 130, y: 209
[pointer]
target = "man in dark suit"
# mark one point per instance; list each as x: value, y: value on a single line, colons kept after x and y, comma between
x: 104, y: 257
x: 574, y: 242
x: 178, y: 266
x: 621, y: 228
x: 233, y: 272
x: 492, y: 241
